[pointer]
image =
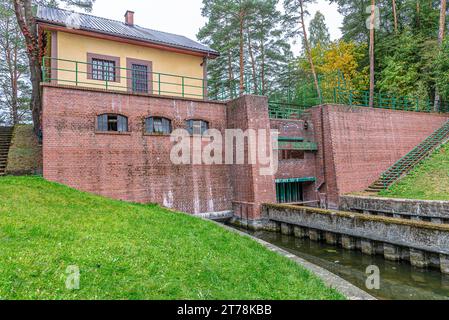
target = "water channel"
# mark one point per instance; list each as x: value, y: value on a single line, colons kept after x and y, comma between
x: 399, y: 280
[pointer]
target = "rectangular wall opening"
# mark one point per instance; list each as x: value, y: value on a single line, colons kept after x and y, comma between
x: 289, y: 192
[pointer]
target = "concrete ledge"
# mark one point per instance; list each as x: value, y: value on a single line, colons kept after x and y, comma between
x: 124, y: 92
x: 331, y: 280
x: 373, y: 231
x: 420, y: 243
x: 407, y: 208
x: 223, y: 215
x: 358, y: 216
x: 255, y: 225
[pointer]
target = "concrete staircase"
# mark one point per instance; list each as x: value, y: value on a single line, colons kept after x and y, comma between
x: 5, y: 142
x: 411, y: 160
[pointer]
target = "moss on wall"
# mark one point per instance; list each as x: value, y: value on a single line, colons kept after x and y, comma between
x: 25, y: 154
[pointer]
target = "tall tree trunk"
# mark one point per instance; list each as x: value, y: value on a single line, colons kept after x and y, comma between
x: 418, y: 13
x: 371, y: 54
x: 253, y: 63
x: 262, y: 67
x: 230, y: 75
x: 242, y: 61
x: 15, y: 88
x: 395, y: 16
x: 442, y: 21
x: 440, y: 42
x: 308, y: 51
x: 28, y: 26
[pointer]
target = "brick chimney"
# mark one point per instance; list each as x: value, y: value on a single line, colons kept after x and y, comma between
x: 129, y: 18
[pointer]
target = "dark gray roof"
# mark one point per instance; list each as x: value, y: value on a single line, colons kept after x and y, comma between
x: 116, y: 28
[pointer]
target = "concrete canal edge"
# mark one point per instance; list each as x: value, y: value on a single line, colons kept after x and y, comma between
x: 422, y: 244
x: 435, y: 211
x: 331, y: 280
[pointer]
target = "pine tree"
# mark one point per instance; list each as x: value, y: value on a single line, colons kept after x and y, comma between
x: 371, y: 54
x: 14, y: 76
x: 395, y: 16
x: 252, y: 43
x: 25, y: 11
x: 441, y: 32
x: 296, y: 12
x: 319, y: 33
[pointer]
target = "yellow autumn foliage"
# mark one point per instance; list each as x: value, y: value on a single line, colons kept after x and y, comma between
x: 340, y: 58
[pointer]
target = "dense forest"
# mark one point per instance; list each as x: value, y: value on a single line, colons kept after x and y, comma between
x: 410, y: 56
x: 388, y: 48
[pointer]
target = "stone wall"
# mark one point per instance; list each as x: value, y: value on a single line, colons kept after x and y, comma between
x: 426, y: 210
x: 25, y: 153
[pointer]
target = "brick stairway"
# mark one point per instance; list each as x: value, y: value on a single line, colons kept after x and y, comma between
x: 411, y: 160
x: 5, y: 141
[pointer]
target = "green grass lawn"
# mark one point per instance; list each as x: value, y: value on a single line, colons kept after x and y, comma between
x: 131, y: 251
x: 428, y: 181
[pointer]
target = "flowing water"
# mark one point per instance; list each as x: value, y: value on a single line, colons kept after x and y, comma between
x: 399, y: 280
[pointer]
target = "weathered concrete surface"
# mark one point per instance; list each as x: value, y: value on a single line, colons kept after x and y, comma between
x: 350, y: 291
x: 418, y: 235
x: 223, y: 215
x: 348, y: 242
x: 286, y: 229
x: 391, y: 252
x: 437, y: 211
x: 255, y: 225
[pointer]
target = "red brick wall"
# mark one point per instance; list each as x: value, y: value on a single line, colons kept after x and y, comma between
x: 251, y: 189
x: 325, y: 166
x: 137, y: 167
x: 130, y: 167
x: 298, y: 168
x: 355, y: 145
x: 360, y: 143
x: 295, y: 168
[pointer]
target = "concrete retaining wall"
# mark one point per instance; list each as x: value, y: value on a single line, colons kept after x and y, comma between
x: 423, y: 244
x: 434, y: 211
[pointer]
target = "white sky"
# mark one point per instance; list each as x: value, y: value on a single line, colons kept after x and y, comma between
x: 184, y: 16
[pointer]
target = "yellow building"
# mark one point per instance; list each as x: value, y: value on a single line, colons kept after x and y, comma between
x: 88, y: 51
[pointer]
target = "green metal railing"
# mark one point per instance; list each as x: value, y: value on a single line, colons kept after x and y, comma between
x: 382, y: 100
x: 284, y: 103
x: 281, y: 110
x: 77, y: 73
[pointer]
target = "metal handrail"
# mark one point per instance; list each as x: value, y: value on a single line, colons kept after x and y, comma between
x: 284, y: 103
x: 184, y: 86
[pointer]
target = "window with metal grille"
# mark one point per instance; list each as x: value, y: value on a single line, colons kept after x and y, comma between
x: 289, y: 192
x: 103, y: 70
x: 140, y: 78
x: 197, y: 127
x: 291, y: 155
x: 112, y: 122
x: 158, y: 125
